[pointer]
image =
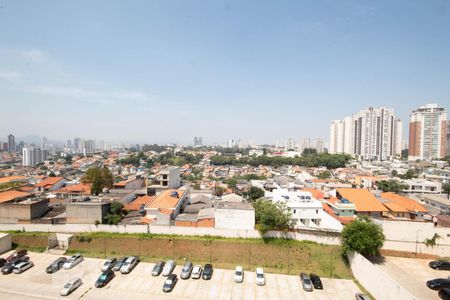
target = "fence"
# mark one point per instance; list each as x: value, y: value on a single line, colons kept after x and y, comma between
x: 328, y: 238
x: 376, y: 281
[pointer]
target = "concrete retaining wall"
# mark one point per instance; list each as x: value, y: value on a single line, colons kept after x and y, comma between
x: 376, y: 281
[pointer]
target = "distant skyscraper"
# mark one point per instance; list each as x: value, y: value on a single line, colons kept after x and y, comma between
x: 32, y: 156
x: 88, y: 146
x: 373, y: 133
x: 319, y: 146
x: 11, y: 143
x: 427, y: 132
x: 69, y: 144
x: 44, y: 143
x: 290, y: 144
x: 77, y: 145
x: 198, y: 141
x: 448, y: 138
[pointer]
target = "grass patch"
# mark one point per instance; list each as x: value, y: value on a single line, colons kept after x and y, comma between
x: 276, y: 255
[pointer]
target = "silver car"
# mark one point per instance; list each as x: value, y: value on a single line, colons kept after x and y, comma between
x: 71, y: 286
x: 22, y: 267
x: 306, y: 282
x: 73, y: 261
x: 186, y: 271
x: 129, y: 264
x: 168, y: 268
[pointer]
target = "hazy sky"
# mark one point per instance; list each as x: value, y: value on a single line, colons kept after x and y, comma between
x: 160, y: 71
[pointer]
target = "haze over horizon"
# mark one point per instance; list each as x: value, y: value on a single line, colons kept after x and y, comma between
x: 261, y: 71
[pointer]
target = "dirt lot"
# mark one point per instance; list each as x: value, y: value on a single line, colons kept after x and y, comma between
x: 139, y: 284
x: 413, y: 274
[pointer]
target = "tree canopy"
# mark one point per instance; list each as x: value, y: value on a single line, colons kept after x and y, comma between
x: 330, y: 161
x: 272, y: 216
x: 254, y: 193
x: 98, y: 178
x: 362, y: 236
x: 446, y: 189
x: 391, y: 186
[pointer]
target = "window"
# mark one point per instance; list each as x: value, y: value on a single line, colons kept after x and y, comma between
x: 295, y: 211
x: 317, y: 211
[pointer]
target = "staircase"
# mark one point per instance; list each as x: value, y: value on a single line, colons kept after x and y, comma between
x: 58, y: 243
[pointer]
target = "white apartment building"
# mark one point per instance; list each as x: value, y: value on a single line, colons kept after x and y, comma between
x: 32, y: 156
x: 427, y: 132
x: 370, y: 134
x: 307, y: 211
x: 422, y: 186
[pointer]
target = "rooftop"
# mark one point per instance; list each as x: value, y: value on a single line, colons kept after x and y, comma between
x: 234, y: 205
x: 136, y: 204
x: 49, y: 181
x: 12, y: 195
x: 405, y: 202
x: 166, y: 200
x: 363, y: 199
x: 12, y: 179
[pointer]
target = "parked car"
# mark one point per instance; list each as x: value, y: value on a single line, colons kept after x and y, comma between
x: 238, y: 274
x: 197, y: 272
x: 438, y: 283
x: 109, y: 264
x: 359, y: 296
x: 104, y: 278
x: 17, y: 254
x: 444, y: 294
x: 119, y: 263
x: 440, y: 265
x: 306, y: 282
x: 2, y: 262
x: 260, y: 279
x: 317, y: 283
x: 71, y: 286
x: 170, y: 282
x: 8, y: 268
x: 22, y: 267
x: 56, y: 265
x: 186, y: 271
x: 157, y: 269
x: 73, y: 261
x: 129, y: 264
x: 207, y: 272
x: 168, y: 268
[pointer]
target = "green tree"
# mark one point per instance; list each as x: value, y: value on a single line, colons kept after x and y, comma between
x: 99, y: 178
x: 391, y: 186
x: 113, y: 219
x: 394, y: 173
x: 324, y: 175
x: 218, y: 191
x: 116, y: 208
x: 255, y: 193
x: 272, y: 216
x: 446, y: 189
x: 362, y: 236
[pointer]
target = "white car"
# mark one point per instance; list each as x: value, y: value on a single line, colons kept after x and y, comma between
x: 168, y: 268
x: 129, y: 264
x: 260, y: 279
x: 196, y: 272
x: 73, y: 261
x: 71, y: 286
x: 109, y: 264
x: 238, y: 274
x: 22, y: 267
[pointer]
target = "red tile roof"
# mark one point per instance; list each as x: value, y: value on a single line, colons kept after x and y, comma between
x: 364, y: 200
x: 136, y: 204
x: 49, y: 181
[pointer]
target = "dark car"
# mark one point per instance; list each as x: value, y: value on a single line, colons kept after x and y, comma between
x: 440, y: 265
x: 119, y: 263
x: 2, y: 262
x: 17, y: 254
x: 105, y: 278
x: 438, y: 283
x: 170, y: 282
x: 56, y: 265
x: 315, y: 279
x: 207, y: 272
x: 444, y: 294
x: 157, y: 269
x: 8, y: 267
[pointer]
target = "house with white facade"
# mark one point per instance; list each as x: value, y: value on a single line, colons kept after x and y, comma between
x: 306, y: 210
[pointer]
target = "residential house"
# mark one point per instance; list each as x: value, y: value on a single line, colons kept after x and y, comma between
x: 50, y: 184
x: 403, y: 207
x: 166, y: 206
x: 365, y: 202
x: 234, y: 215
x: 18, y: 207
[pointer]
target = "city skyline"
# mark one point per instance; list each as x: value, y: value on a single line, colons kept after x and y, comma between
x: 258, y: 71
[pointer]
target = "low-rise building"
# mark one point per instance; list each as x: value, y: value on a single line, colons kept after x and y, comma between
x: 234, y: 215
x: 437, y: 204
x: 403, y: 207
x: 166, y: 206
x: 50, y: 184
x: 365, y: 202
x: 169, y: 178
x: 17, y: 207
x: 422, y: 186
x: 87, y: 212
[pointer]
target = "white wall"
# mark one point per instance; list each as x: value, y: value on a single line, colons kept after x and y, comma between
x: 235, y: 218
x: 376, y: 281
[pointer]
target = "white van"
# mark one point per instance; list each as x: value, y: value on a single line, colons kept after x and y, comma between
x: 23, y: 266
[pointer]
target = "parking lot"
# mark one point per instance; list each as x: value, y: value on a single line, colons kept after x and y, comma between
x: 36, y: 284
x: 413, y: 274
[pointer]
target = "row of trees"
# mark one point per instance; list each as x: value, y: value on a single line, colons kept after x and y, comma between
x: 331, y: 161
